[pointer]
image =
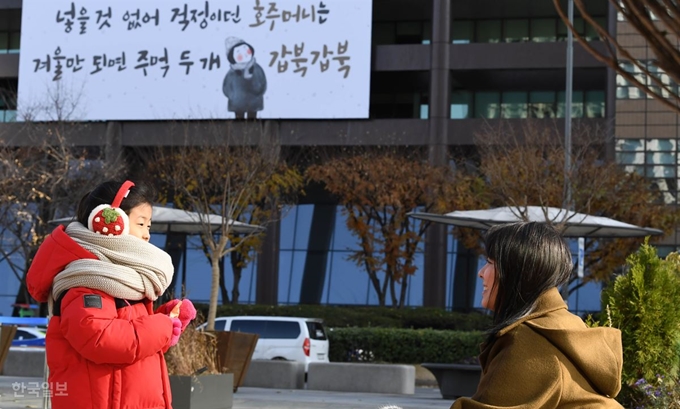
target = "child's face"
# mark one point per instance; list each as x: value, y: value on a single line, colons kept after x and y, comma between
x: 140, y: 221
x: 242, y: 54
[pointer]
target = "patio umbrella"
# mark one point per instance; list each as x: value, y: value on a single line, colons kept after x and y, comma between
x: 572, y: 224
x: 169, y: 220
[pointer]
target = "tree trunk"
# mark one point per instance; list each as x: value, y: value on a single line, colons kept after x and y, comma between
x: 404, y: 287
x: 223, y: 287
x: 237, y: 271
x: 214, y: 291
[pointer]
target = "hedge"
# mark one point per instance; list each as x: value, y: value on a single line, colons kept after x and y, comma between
x: 402, y: 345
x: 383, y: 317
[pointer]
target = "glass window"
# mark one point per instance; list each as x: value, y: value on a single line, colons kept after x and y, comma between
x: 424, y: 111
x: 220, y: 325
x: 576, y: 104
x: 463, y: 32
x: 590, y: 32
x: 542, y: 104
x: 4, y: 43
x: 427, y: 32
x: 562, y: 28
x: 543, y: 30
x: 514, y: 105
x: 10, y: 116
x: 516, y: 30
x: 487, y: 105
x: 316, y: 330
x: 461, y: 102
x: 249, y: 326
x: 488, y: 31
x: 630, y: 145
x: 14, y: 42
x: 282, y: 329
x: 660, y: 171
x: 658, y: 145
x: 384, y: 33
x: 660, y: 158
x: 630, y: 158
x: 595, y: 104
x: 409, y: 32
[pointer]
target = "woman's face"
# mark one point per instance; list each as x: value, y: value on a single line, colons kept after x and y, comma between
x: 140, y: 221
x: 242, y: 53
x: 488, y: 275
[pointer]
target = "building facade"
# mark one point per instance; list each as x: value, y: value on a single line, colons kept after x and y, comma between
x: 440, y: 71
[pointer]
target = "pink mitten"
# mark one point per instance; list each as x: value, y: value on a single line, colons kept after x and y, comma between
x: 176, y: 331
x: 187, y: 311
x: 167, y: 307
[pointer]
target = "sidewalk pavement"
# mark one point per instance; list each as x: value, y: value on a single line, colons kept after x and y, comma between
x: 250, y: 398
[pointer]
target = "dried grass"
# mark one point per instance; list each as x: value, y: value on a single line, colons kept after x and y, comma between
x: 195, y: 351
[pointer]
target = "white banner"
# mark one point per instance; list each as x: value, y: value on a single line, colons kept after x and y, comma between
x: 194, y: 59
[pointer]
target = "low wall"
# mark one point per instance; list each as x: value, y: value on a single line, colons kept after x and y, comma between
x: 24, y: 361
x: 264, y: 373
x: 354, y: 377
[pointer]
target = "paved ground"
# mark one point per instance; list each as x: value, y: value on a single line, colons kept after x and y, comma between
x: 247, y: 398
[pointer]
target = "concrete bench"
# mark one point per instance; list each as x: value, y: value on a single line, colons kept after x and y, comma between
x: 264, y: 373
x: 25, y: 361
x: 455, y: 380
x: 353, y: 377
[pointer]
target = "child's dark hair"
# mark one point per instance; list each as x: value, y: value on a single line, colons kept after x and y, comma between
x: 140, y: 193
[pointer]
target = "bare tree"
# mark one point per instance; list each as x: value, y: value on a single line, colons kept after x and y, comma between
x: 43, y: 179
x: 524, y: 165
x: 658, y: 22
x: 234, y: 171
x: 377, y: 189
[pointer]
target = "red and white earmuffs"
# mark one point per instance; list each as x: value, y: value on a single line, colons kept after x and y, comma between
x: 111, y: 220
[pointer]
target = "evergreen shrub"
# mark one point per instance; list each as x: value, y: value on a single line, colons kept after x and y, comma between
x: 643, y: 303
x: 405, y: 346
x: 383, y: 317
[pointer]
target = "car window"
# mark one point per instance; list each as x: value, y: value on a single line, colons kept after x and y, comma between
x: 250, y: 326
x: 220, y: 325
x: 23, y: 335
x: 282, y: 329
x: 316, y: 330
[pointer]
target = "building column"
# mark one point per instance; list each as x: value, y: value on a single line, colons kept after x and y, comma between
x: 267, y: 284
x: 267, y: 287
x: 434, y: 279
x: 320, y: 233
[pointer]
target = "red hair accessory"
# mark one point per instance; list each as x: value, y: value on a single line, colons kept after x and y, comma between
x: 111, y: 220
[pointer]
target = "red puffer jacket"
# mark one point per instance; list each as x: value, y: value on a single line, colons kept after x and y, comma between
x: 102, y: 352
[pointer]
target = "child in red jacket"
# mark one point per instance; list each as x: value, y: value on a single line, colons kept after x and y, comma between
x: 100, y: 276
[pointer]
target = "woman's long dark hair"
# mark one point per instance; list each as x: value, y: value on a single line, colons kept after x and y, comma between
x: 529, y: 258
x: 140, y: 193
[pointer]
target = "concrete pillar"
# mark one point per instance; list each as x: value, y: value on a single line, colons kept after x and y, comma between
x: 434, y: 285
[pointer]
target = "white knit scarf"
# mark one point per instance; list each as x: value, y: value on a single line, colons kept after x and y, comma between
x: 127, y: 267
x: 245, y: 66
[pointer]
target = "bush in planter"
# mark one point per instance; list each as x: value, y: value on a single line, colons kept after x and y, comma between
x: 643, y: 304
x: 195, y: 352
x: 195, y: 380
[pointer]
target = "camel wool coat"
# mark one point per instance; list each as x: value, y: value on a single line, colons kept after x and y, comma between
x: 549, y: 359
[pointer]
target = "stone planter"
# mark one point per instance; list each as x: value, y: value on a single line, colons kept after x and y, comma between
x: 234, y: 352
x: 455, y: 380
x: 202, y: 392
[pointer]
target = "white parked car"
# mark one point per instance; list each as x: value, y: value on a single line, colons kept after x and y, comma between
x: 290, y: 338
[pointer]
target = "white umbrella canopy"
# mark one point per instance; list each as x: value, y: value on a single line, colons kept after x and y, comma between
x: 571, y: 223
x: 169, y: 220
